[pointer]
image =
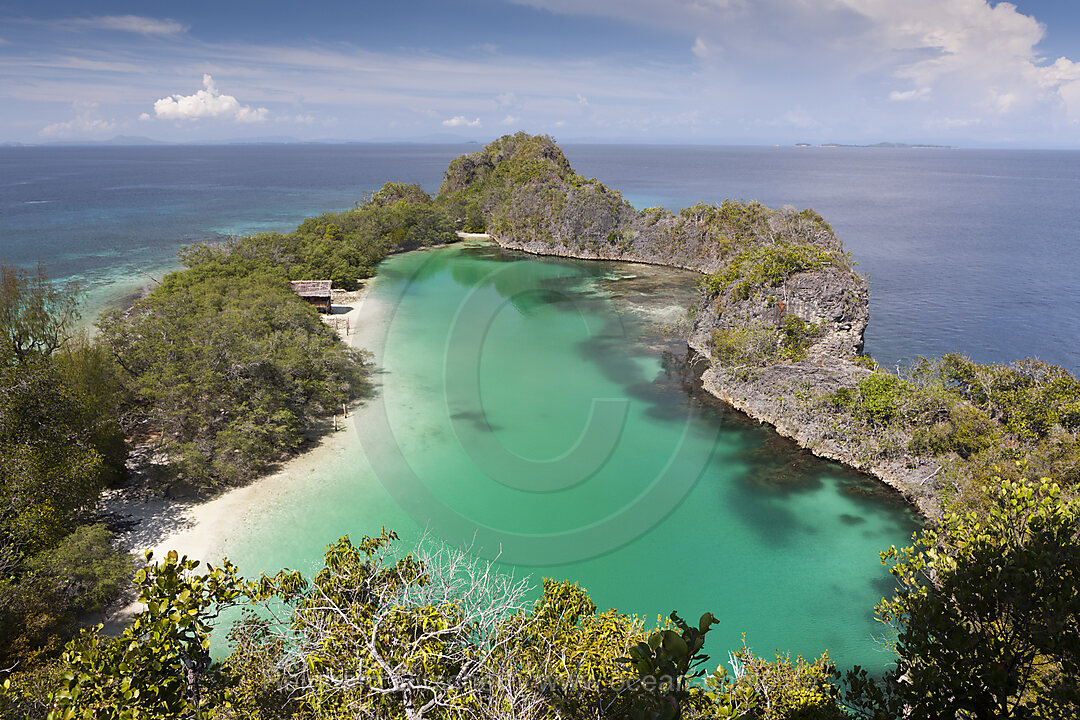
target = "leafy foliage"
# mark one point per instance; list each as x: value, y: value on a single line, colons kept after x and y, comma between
x: 767, y: 266
x: 988, y: 613
x: 59, y: 446
x: 50, y: 469
x: 371, y: 636
x: 756, y: 344
x: 36, y: 317
x: 160, y: 666
x: 341, y: 247
x: 568, y: 650
x: 758, y: 689
x: 797, y: 335
x: 47, y: 593
x: 1029, y: 397
x: 878, y: 399
x: 977, y: 420
x: 232, y: 371
x: 665, y: 663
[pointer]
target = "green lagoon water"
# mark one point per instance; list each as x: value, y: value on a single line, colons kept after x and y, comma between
x: 531, y: 408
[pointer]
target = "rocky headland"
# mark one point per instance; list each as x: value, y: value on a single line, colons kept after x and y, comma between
x: 781, y: 313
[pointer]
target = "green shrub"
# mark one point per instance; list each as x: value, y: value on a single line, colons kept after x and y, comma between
x: 841, y: 398
x: 767, y: 266
x: 756, y: 344
x: 878, y: 399
x: 866, y: 361
x: 797, y: 336
x: 965, y: 431
x: 758, y: 689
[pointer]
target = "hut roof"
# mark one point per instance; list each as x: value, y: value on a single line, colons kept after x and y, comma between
x: 311, y: 288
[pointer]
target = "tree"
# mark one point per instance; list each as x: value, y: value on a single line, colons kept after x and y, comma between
x: 36, y: 317
x: 758, y: 689
x: 987, y: 611
x: 232, y: 370
x: 159, y: 667
x: 665, y: 663
x: 50, y: 470
x: 374, y: 636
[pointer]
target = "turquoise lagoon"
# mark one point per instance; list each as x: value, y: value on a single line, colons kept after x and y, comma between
x: 541, y: 411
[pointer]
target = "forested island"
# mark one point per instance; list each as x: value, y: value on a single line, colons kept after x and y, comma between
x: 221, y: 372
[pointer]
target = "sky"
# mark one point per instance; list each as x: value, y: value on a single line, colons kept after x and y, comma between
x: 960, y: 72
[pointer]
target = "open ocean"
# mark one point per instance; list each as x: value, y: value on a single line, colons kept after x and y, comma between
x: 974, y: 251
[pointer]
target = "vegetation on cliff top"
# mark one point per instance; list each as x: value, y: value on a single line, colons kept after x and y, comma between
x: 1017, y: 420
x: 521, y: 188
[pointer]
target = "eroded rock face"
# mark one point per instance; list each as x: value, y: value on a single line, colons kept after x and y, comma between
x: 836, y: 300
x: 763, y: 268
x: 786, y: 394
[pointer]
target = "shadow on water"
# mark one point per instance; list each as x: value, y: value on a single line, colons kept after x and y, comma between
x: 478, y: 419
x: 767, y: 468
x: 883, y: 585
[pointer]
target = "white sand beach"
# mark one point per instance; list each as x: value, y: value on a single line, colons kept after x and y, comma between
x: 200, y: 529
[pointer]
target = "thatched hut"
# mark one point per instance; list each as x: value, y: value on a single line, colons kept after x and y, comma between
x: 316, y: 292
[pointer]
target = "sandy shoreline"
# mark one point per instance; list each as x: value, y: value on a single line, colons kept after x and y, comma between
x: 200, y: 529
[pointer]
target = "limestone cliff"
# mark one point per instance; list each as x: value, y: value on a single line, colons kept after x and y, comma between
x: 782, y: 310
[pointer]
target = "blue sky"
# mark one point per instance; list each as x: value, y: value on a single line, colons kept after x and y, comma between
x: 967, y: 72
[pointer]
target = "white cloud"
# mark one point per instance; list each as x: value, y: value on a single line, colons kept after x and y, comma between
x: 863, y: 70
x: 506, y: 100
x: 130, y: 23
x: 85, y: 124
x: 461, y: 121
x: 298, y: 119
x: 916, y: 94
x: 981, y: 55
x: 207, y: 103
x: 796, y: 117
x: 962, y: 58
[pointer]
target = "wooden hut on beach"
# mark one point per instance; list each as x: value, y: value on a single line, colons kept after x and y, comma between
x: 316, y: 292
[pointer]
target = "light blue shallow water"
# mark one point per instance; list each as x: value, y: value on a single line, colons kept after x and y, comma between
x: 519, y: 413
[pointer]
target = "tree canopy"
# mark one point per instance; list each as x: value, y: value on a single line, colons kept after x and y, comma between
x: 987, y: 611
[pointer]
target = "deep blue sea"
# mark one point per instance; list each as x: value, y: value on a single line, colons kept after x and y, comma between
x: 968, y: 250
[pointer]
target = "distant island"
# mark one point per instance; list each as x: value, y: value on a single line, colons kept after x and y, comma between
x: 879, y: 145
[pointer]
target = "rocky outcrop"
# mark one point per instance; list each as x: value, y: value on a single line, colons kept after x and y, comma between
x: 782, y: 311
x: 780, y: 395
x: 786, y: 394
